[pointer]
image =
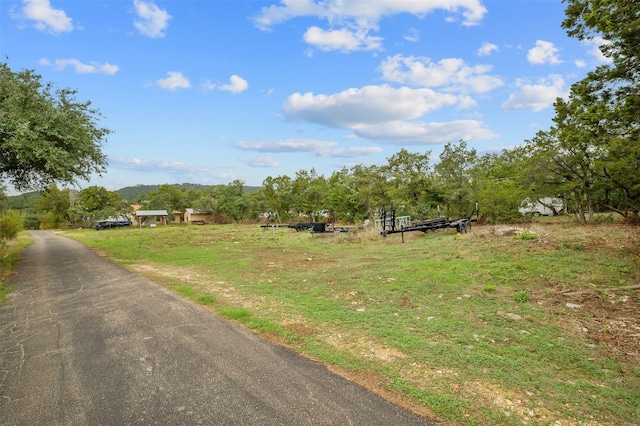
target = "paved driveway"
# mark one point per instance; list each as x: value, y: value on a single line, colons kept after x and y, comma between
x: 86, y: 342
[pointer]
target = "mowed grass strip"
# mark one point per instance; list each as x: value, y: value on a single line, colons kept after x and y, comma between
x: 473, y: 327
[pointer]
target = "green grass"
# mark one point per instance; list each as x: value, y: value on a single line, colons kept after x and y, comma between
x: 427, y: 318
x: 9, y: 255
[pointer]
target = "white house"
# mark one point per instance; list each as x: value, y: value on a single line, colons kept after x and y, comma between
x: 541, y: 206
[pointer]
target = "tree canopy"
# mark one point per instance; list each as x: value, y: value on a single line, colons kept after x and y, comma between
x: 46, y: 135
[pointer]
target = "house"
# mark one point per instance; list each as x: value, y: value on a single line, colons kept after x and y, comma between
x: 177, y: 217
x: 542, y: 206
x: 152, y: 217
x: 196, y: 217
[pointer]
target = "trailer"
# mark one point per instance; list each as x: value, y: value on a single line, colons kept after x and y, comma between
x: 315, y: 227
x: 388, y: 220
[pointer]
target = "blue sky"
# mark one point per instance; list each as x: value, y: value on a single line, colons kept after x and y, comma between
x: 210, y: 91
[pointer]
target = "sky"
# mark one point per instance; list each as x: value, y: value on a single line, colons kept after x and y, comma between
x: 212, y: 91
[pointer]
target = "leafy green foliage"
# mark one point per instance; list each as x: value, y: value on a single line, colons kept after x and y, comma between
x: 47, y: 136
x: 11, y: 222
x: 604, y: 106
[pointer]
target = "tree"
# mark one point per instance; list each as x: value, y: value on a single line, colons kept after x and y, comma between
x: 340, y: 197
x: 410, y: 181
x: 94, y: 203
x: 3, y: 198
x: 278, y: 195
x: 46, y: 135
x: 231, y: 202
x: 97, y: 198
x: 499, y: 182
x: 455, y: 177
x: 369, y: 190
x: 55, y: 204
x: 611, y: 94
x: 310, y: 193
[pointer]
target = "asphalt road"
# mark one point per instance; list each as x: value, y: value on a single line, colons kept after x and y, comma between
x: 86, y: 342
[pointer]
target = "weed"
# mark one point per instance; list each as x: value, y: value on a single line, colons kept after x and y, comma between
x: 185, y: 290
x: 521, y: 296
x: 206, y: 299
x: 490, y: 288
x: 234, y: 313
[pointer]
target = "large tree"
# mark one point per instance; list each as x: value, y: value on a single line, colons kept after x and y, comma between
x: 46, y: 135
x: 455, y: 175
x: 610, y: 95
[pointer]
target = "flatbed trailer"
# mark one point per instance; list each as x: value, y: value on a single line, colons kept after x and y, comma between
x: 461, y: 224
x: 315, y: 227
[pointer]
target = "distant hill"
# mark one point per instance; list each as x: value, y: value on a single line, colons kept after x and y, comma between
x: 26, y: 202
x: 29, y: 200
x: 132, y: 193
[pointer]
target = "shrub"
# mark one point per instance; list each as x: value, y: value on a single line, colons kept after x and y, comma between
x: 11, y: 222
x: 31, y: 221
x: 525, y: 236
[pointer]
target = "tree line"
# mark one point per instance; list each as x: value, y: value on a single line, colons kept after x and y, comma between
x: 589, y: 157
x: 413, y: 184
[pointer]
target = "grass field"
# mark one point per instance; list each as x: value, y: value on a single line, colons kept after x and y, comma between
x: 469, y: 329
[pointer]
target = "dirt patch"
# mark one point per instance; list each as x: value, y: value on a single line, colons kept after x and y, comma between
x: 609, y: 320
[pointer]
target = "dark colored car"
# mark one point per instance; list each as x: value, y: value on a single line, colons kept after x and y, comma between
x: 107, y: 224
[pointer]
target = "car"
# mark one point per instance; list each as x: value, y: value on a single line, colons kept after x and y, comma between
x: 107, y: 224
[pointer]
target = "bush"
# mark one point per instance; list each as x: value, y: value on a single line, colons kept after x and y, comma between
x: 31, y: 221
x: 11, y: 222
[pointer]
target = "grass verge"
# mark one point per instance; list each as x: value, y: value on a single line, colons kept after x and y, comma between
x: 473, y: 329
x: 9, y: 255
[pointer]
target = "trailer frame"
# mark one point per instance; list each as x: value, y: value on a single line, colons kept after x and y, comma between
x: 388, y: 221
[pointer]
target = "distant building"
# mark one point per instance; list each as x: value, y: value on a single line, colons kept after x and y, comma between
x: 151, y: 217
x: 542, y: 206
x: 196, y: 217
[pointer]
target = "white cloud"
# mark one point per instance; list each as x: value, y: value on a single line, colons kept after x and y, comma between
x: 370, y: 104
x: 412, y: 35
x: 152, y: 21
x: 424, y: 133
x: 487, y: 49
x: 353, y: 152
x: 287, y: 145
x: 386, y: 115
x: 207, y: 85
x: 320, y: 148
x: 544, y: 52
x: 342, y: 39
x: 452, y: 74
x: 175, y: 81
x: 352, y: 21
x: 536, y: 97
x: 335, y: 10
x: 593, y: 46
x: 236, y: 84
x: 80, y: 68
x: 260, y: 161
x: 46, y: 18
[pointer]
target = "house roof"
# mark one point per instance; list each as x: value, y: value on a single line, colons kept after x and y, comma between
x: 192, y: 211
x: 152, y: 213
